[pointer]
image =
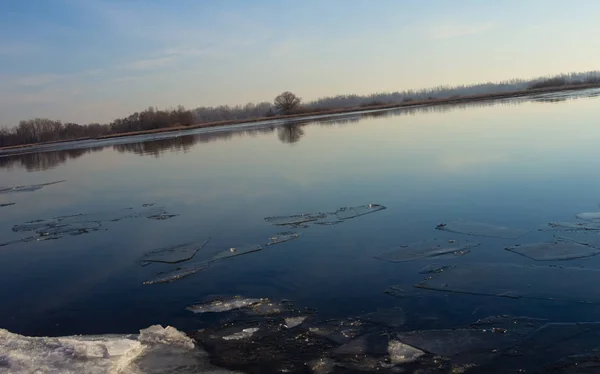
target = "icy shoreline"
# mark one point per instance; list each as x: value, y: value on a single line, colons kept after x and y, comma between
x: 154, y: 350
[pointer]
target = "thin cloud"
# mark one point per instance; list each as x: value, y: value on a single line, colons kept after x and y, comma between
x: 149, y: 64
x: 38, y: 80
x: 458, y: 30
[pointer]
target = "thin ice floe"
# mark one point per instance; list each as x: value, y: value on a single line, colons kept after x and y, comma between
x: 27, y: 188
x: 39, y: 224
x: 572, y: 226
x: 267, y: 307
x: 282, y: 237
x: 434, y: 269
x: 589, y: 238
x: 294, y: 220
x: 244, y: 334
x: 351, y: 212
x: 237, y: 251
x: 328, y: 223
x: 589, y: 216
x: 177, y: 274
x: 76, y: 224
x: 401, y: 353
x: 514, y: 281
x: 174, y: 254
x: 481, y: 229
x: 155, y: 350
x: 452, y: 342
x: 224, y: 304
x: 72, y: 229
x: 425, y: 249
x: 292, y: 322
x: 554, y: 251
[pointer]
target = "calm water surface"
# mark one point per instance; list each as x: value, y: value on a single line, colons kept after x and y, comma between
x: 519, y: 163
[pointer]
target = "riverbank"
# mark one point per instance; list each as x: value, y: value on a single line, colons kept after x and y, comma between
x: 308, y: 115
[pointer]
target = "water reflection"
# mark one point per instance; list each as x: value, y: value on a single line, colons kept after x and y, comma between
x: 157, y: 147
x: 288, y: 133
x: 44, y: 160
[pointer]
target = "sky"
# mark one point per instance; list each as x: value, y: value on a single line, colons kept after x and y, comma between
x: 96, y: 60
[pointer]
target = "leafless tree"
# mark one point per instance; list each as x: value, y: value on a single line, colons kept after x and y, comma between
x: 287, y: 102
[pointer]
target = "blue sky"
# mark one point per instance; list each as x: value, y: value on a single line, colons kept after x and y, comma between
x: 95, y: 60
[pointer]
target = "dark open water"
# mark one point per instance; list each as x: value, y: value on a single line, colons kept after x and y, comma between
x: 520, y: 163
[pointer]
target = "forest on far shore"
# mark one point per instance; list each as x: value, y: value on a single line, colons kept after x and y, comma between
x: 40, y: 130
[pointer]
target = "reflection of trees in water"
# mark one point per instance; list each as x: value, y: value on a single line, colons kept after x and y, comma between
x: 43, y: 160
x: 185, y: 142
x: 157, y: 147
x: 290, y: 133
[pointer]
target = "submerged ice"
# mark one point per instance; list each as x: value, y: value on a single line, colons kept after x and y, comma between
x: 481, y: 229
x: 237, y: 251
x: 177, y: 274
x: 352, y: 212
x: 554, y: 251
x: 174, y: 254
x: 515, y: 281
x: 27, y: 188
x: 295, y: 219
x: 425, y: 249
x: 83, y: 223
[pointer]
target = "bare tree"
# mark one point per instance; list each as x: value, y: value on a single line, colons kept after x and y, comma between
x: 287, y: 102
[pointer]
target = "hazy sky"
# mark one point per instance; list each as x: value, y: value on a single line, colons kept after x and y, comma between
x: 94, y: 60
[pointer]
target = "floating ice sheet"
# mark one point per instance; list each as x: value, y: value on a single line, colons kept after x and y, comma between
x: 425, y: 249
x: 514, y: 281
x: 452, y: 342
x: 224, y: 304
x: 481, y: 229
x: 174, y: 254
x: 71, y: 229
x: 328, y: 223
x: 28, y: 188
x: 292, y: 322
x: 401, y: 353
x: 434, y: 269
x: 40, y: 224
x: 267, y: 307
x: 589, y: 216
x: 589, y: 238
x: 282, y: 237
x: 116, y: 215
x: 351, y: 212
x: 237, y: 251
x: 572, y: 226
x: 177, y: 274
x: 244, y: 334
x: 554, y: 251
x: 295, y: 219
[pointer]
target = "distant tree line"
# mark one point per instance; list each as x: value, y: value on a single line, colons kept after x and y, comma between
x: 40, y: 130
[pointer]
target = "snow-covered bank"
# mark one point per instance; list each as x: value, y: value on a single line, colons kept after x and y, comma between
x: 154, y: 350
